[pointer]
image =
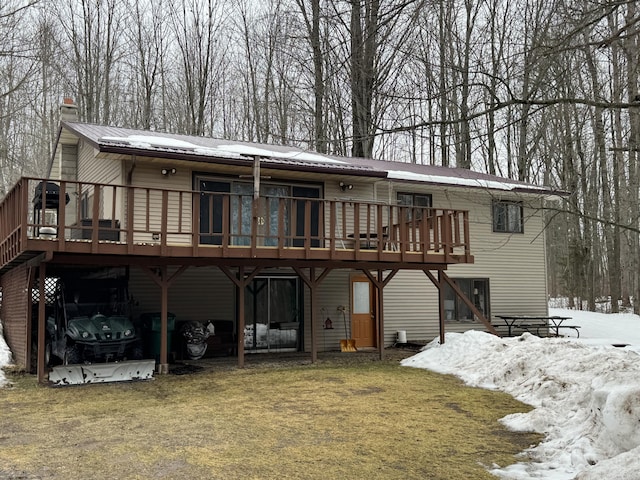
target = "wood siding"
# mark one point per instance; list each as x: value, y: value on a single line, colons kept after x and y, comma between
x: 13, y: 312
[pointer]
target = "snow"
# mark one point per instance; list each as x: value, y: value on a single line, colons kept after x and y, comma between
x: 227, y: 151
x: 146, y: 141
x: 293, y: 155
x: 585, y: 393
x: 5, y: 357
x: 502, y: 184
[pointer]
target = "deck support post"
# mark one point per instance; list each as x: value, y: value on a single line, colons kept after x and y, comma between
x: 313, y: 283
x: 379, y: 282
x: 441, y: 310
x: 439, y: 283
x: 161, y: 277
x: 41, y: 320
x: 240, y: 280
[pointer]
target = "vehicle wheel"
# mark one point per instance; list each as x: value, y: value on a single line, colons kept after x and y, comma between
x: 48, y: 359
x: 72, y: 354
x: 47, y: 352
x: 34, y: 358
x: 136, y: 352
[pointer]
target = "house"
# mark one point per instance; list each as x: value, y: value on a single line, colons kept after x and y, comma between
x: 290, y: 250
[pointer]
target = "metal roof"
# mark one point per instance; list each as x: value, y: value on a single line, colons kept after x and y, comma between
x: 129, y: 141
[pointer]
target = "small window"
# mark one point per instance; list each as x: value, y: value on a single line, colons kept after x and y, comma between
x: 86, y: 205
x: 414, y: 200
x: 476, y: 290
x: 507, y: 217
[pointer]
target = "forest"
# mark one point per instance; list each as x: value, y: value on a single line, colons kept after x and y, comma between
x: 544, y: 91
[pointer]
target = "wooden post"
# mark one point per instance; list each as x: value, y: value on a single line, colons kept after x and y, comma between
x: 241, y: 283
x: 241, y: 287
x: 162, y: 279
x: 379, y: 283
x: 163, y: 364
x: 441, y: 309
x: 313, y: 283
x: 380, y: 308
x: 439, y: 283
x: 41, y: 320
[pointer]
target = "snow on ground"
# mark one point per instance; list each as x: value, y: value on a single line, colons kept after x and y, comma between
x: 5, y: 357
x: 585, y: 393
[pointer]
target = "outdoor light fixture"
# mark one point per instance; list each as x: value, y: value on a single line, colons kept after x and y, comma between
x: 345, y: 186
x: 168, y: 171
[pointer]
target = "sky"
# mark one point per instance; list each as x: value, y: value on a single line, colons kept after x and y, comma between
x: 585, y: 393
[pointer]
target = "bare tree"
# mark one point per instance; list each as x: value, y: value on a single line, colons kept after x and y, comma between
x: 312, y: 25
x: 630, y: 46
x: 92, y: 30
x: 147, y: 37
x: 197, y: 27
x: 17, y: 67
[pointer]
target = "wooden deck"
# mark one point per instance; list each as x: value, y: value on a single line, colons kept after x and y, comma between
x: 78, y: 219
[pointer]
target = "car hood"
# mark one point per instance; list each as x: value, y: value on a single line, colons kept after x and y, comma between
x: 99, y: 326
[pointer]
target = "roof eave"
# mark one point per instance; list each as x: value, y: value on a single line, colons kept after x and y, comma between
x: 547, y: 193
x: 241, y: 161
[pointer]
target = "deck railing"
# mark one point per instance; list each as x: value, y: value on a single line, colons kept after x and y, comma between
x: 61, y: 216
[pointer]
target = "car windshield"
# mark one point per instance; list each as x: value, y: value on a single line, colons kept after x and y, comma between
x: 93, y: 301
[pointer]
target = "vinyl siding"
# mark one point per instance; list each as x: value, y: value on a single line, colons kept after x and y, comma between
x: 65, y: 163
x: 361, y: 191
x: 95, y: 170
x: 333, y: 292
x: 513, y: 263
x: 150, y: 202
x: 98, y: 170
x: 54, y: 172
x: 201, y: 294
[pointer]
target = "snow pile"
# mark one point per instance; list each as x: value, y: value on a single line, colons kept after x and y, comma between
x: 5, y: 358
x: 586, y: 399
x: 604, y: 329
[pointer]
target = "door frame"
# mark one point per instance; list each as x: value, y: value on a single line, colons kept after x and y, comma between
x: 371, y: 340
x: 299, y: 314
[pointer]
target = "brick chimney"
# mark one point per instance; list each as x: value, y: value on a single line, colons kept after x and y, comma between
x: 68, y: 110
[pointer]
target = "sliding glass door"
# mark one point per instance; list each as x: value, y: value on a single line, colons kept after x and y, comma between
x: 272, y: 315
x: 277, y: 210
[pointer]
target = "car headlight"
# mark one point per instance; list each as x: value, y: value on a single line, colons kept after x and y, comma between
x: 128, y: 333
x: 85, y: 334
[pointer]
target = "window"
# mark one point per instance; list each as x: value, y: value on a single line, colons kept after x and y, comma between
x: 239, y: 212
x: 507, y: 217
x: 419, y: 200
x: 86, y: 205
x: 476, y: 290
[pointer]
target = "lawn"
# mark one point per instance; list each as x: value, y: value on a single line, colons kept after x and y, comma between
x: 297, y: 420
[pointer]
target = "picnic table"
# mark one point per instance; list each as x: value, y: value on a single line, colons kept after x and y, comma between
x: 529, y: 323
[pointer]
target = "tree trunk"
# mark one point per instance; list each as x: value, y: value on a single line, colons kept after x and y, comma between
x: 364, y: 45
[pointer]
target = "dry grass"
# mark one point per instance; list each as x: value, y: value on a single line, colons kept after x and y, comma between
x: 364, y: 419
